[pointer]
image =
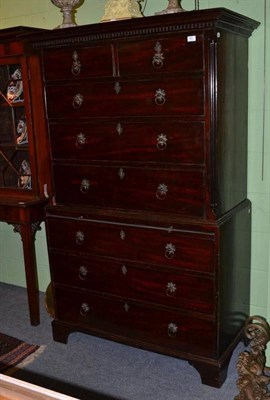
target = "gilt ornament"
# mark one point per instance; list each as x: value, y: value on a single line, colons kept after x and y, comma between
x: 121, y: 9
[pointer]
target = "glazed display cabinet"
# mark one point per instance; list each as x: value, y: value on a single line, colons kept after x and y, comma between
x: 149, y: 232
x: 24, y: 169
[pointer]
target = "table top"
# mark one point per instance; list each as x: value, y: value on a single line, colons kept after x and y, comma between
x: 14, y: 389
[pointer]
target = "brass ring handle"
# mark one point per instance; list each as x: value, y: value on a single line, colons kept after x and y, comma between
x: 79, y: 238
x: 158, y: 57
x: 84, y: 309
x: 170, y: 251
x: 162, y: 191
x: 80, y: 140
x: 172, y: 329
x: 85, y: 186
x: 171, y: 289
x: 76, y: 65
x: 77, y: 101
x: 83, y: 271
x: 160, y: 97
x: 162, y: 142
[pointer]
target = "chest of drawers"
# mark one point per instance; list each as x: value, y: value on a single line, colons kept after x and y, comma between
x: 149, y: 232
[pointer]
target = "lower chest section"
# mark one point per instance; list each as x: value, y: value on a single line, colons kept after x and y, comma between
x: 151, y: 283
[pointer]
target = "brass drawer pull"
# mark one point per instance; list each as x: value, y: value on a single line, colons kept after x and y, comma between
x: 172, y: 329
x: 121, y: 173
x: 85, y: 186
x: 160, y: 97
x: 119, y: 129
x: 162, y: 142
x: 80, y: 140
x: 122, y: 235
x: 171, y: 289
x: 80, y: 237
x: 76, y: 65
x: 162, y: 191
x: 84, y: 309
x: 170, y: 251
x: 158, y: 57
x: 124, y: 270
x: 83, y: 272
x: 117, y: 87
x: 77, y: 101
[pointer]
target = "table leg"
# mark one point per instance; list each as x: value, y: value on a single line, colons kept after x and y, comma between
x: 28, y: 232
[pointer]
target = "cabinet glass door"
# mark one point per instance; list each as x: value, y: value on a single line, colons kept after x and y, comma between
x: 15, y: 169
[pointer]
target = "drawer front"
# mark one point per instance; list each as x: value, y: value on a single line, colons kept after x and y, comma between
x: 183, y: 96
x: 189, y: 251
x: 141, y: 282
x: 174, y: 142
x: 184, y: 53
x: 168, y: 329
x: 78, y: 62
x: 180, y: 191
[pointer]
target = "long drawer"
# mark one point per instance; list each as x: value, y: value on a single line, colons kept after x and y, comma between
x: 153, y: 189
x: 169, y: 96
x: 194, y: 251
x: 165, y: 141
x: 144, y: 282
x: 166, y: 328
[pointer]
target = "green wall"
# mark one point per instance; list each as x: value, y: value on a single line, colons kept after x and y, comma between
x: 43, y: 14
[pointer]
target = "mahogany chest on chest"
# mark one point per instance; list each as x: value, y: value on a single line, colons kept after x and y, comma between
x: 149, y: 231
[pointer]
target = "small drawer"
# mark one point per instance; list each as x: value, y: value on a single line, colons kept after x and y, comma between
x: 167, y: 190
x: 184, y: 53
x: 124, y: 318
x: 154, y: 245
x: 167, y: 141
x: 170, y: 96
x: 142, y: 282
x: 77, y: 62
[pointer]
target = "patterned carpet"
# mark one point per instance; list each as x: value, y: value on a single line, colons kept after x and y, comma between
x: 14, y: 351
